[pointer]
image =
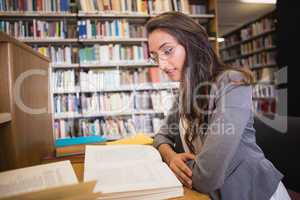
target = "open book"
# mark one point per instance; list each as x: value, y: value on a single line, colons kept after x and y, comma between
x: 52, y: 181
x: 130, y: 172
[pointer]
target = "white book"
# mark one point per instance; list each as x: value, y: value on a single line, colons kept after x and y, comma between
x: 167, y: 5
x: 116, y: 53
x: 68, y: 55
x: 129, y: 5
x: 30, y: 179
x: 107, y: 25
x: 156, y: 124
x: 135, y: 53
x: 130, y: 172
x: 123, y: 6
x: 88, y: 29
x: 175, y: 5
x: 62, y: 129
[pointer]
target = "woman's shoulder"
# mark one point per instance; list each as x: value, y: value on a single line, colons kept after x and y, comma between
x: 231, y: 76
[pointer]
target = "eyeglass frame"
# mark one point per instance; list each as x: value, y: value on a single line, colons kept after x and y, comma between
x: 161, y: 56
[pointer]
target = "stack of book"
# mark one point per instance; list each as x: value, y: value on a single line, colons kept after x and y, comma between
x: 39, y: 29
x: 117, y: 28
x: 35, y: 5
x: 113, y: 53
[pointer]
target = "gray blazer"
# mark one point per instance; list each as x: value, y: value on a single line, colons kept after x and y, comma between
x: 230, y: 165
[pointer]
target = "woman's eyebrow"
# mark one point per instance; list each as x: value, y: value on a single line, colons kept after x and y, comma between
x: 161, y: 46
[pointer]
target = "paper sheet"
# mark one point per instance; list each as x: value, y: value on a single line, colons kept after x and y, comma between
x: 36, y: 178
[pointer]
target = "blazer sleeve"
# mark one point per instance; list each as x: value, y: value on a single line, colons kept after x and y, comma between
x: 169, y: 129
x: 233, y: 103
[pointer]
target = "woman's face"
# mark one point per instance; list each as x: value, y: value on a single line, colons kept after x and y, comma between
x: 167, y: 52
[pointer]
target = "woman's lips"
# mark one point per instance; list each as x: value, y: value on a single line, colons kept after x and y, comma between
x: 171, y: 72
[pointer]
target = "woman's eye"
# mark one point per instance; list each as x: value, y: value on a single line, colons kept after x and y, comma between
x: 168, y: 51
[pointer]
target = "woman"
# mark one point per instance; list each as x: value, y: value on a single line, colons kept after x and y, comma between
x: 208, y: 139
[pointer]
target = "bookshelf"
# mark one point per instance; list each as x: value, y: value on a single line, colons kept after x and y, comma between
x: 253, y: 45
x: 90, y: 86
x: 19, y: 119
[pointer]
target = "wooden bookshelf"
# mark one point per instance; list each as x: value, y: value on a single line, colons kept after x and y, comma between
x: 74, y: 15
x: 251, y: 42
x: 25, y: 136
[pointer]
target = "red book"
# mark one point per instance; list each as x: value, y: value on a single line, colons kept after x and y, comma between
x: 39, y: 5
x: 154, y: 74
x: 21, y: 5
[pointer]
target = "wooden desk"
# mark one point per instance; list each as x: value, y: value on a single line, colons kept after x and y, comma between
x: 78, y: 165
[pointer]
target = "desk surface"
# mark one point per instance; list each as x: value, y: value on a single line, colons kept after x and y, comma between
x: 77, y: 163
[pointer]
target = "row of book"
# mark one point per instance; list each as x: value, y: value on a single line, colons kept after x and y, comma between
x: 109, y: 128
x: 85, y: 29
x: 117, y: 28
x: 38, y: 29
x: 35, y: 5
x: 230, y: 53
x: 147, y: 124
x: 115, y: 102
x: 264, y: 91
x: 143, y: 6
x: 150, y: 75
x: 64, y: 80
x: 108, y: 102
x: 62, y: 54
x: 112, y: 79
x: 264, y: 75
x: 111, y: 6
x: 262, y: 26
x: 258, y: 44
x: 97, y: 80
x: 66, y: 103
x: 113, y: 53
x: 65, y: 54
x: 100, y: 80
x: 265, y: 106
x: 230, y: 40
x: 262, y: 59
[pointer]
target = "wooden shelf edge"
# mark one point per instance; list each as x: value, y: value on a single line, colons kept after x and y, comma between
x: 5, y: 117
x: 6, y: 38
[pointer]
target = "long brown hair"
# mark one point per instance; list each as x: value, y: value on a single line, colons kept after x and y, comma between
x: 202, y: 65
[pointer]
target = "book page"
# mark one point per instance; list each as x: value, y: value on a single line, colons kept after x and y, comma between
x: 77, y: 191
x: 114, y: 154
x: 123, y: 168
x: 131, y: 177
x: 36, y: 178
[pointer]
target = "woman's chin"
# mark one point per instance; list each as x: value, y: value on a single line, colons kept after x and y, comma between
x: 174, y: 78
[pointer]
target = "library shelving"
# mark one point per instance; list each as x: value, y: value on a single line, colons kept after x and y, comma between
x: 253, y: 45
x: 99, y: 60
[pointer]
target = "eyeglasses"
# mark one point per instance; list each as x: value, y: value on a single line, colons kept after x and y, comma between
x: 164, y: 54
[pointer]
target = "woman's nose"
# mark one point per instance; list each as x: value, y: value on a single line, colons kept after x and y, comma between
x: 162, y: 64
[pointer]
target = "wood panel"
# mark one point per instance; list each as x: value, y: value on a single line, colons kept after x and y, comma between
x: 7, y: 153
x: 28, y: 136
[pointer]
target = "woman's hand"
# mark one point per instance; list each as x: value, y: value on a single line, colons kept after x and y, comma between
x: 177, y: 163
